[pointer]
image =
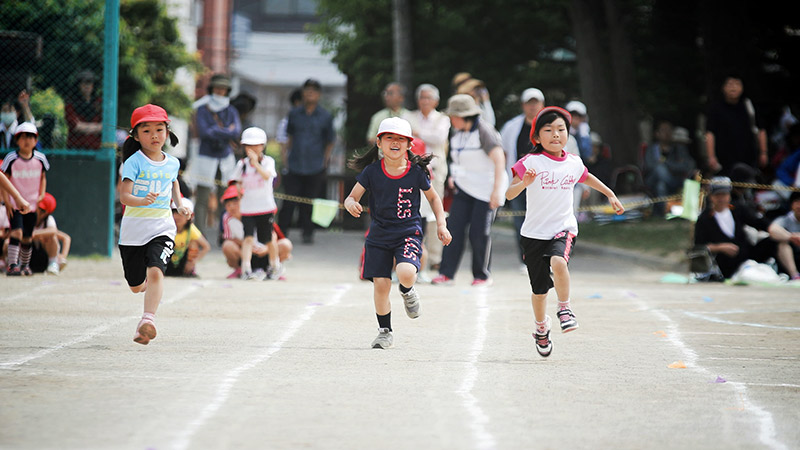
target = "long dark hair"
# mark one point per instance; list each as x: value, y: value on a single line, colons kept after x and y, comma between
x: 546, y: 119
x: 361, y: 160
x: 131, y: 145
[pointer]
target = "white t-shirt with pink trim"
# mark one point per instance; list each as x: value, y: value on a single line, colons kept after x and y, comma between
x: 257, y: 195
x: 549, y: 197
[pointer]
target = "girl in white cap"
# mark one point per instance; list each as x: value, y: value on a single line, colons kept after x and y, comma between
x: 548, y: 175
x: 147, y: 230
x: 254, y: 175
x: 395, y: 181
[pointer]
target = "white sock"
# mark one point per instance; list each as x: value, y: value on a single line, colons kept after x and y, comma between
x: 563, y: 305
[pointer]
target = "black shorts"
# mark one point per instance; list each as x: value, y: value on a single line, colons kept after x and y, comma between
x: 177, y: 269
x: 136, y: 259
x: 537, y: 253
x: 39, y: 258
x: 25, y: 221
x: 380, y: 259
x: 260, y: 226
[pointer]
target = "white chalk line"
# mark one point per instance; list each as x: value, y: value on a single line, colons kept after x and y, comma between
x: 232, y: 377
x: 86, y: 336
x: 483, y: 438
x: 767, y: 432
x: 732, y: 322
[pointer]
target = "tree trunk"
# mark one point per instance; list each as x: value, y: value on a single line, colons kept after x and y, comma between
x: 401, y: 31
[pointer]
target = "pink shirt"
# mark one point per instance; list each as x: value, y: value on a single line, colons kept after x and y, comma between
x: 25, y: 174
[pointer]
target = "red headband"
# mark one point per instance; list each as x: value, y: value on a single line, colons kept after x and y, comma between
x: 546, y: 110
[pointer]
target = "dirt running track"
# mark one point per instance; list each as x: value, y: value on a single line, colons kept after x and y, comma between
x: 285, y: 365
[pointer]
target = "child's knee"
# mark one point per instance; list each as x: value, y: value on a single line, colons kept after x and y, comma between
x: 558, y: 263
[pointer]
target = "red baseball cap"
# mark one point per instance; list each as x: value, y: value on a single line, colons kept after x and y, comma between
x: 148, y: 113
x: 48, y: 203
x: 546, y: 110
x: 231, y: 192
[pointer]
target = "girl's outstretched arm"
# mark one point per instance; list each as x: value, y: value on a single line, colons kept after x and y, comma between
x: 22, y: 204
x: 594, y: 183
x: 441, y: 221
x: 351, y: 203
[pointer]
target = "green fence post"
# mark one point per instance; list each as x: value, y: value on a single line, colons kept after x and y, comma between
x: 110, y: 76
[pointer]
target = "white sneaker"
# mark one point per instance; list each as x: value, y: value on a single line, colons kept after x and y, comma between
x: 52, y: 268
x: 411, y: 303
x: 384, y: 339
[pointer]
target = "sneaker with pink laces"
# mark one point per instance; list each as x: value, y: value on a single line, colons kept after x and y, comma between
x: 567, y: 319
x: 477, y: 282
x: 442, y: 280
x: 145, y: 331
x: 543, y: 343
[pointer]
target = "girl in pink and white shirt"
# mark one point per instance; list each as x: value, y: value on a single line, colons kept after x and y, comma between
x: 254, y: 175
x: 548, y: 175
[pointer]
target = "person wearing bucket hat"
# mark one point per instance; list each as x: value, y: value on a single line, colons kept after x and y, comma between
x: 478, y: 178
x: 147, y: 229
x: 218, y: 128
x: 477, y: 90
x: 84, y: 113
x: 190, y: 244
x: 666, y: 164
x: 395, y: 183
x: 548, y: 176
x: 721, y: 229
x: 26, y: 169
x: 254, y: 175
x: 50, y: 245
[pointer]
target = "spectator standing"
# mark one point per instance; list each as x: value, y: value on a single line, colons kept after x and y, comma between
x: 308, y: 152
x: 478, y: 175
x: 12, y: 113
x: 734, y: 133
x: 788, y: 172
x: 394, y: 96
x: 667, y: 162
x: 218, y: 127
x: 785, y: 230
x: 281, y: 135
x: 84, y: 114
x: 432, y: 128
x: 477, y: 90
x: 26, y: 169
x: 517, y: 143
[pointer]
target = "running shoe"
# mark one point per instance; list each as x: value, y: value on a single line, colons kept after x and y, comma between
x: 411, y: 303
x: 13, y: 271
x: 52, y: 268
x: 567, y: 319
x: 442, y: 280
x: 478, y: 282
x: 384, y: 339
x: 236, y: 273
x: 25, y: 271
x: 543, y: 343
x: 276, y: 272
x: 145, y: 332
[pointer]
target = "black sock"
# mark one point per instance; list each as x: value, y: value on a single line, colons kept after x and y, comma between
x: 385, y: 321
x: 404, y: 289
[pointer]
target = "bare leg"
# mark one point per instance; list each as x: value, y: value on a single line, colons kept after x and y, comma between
x: 382, y: 286
x: 155, y: 289
x: 786, y: 258
x: 560, y: 277
x: 406, y: 274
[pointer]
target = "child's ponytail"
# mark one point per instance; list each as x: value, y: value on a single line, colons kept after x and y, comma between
x: 359, y: 161
x: 421, y: 160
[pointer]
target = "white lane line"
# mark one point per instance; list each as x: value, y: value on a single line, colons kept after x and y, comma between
x: 766, y: 431
x: 483, y: 439
x: 87, y: 336
x: 731, y: 322
x: 232, y: 377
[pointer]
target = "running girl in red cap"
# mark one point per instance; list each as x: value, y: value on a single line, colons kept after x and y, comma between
x: 395, y: 181
x: 147, y: 230
x: 549, y: 174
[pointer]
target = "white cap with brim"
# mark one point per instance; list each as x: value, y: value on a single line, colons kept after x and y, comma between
x: 576, y: 107
x: 254, y: 136
x: 532, y: 94
x: 26, y: 127
x: 397, y: 126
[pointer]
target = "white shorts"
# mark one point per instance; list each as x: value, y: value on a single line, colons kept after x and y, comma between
x: 203, y: 170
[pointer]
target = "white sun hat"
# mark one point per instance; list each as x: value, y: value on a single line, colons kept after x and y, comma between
x: 397, y: 126
x: 254, y: 136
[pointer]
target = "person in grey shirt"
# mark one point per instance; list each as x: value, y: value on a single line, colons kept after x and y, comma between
x: 305, y: 158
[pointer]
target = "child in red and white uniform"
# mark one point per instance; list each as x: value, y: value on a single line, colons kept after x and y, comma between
x: 254, y: 175
x: 548, y: 175
x: 26, y: 170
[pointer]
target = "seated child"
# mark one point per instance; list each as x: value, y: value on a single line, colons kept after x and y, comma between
x: 190, y: 244
x: 50, y: 245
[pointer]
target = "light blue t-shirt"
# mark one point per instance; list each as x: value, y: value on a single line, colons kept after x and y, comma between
x: 140, y: 224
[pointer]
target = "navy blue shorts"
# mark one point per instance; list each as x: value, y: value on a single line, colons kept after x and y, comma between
x: 537, y: 253
x: 379, y: 259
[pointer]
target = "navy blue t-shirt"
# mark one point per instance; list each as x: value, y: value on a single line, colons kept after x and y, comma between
x: 393, y: 202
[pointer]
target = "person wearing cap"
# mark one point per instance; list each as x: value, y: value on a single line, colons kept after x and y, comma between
x: 431, y: 127
x: 26, y: 169
x: 516, y: 143
x: 721, y: 228
x: 394, y: 96
x: 667, y: 163
x: 218, y: 128
x: 785, y: 230
x: 50, y: 245
x: 147, y: 230
x: 548, y: 175
x: 190, y: 244
x: 395, y: 183
x: 305, y: 161
x: 253, y: 176
x: 84, y: 114
x: 477, y: 90
x: 479, y: 179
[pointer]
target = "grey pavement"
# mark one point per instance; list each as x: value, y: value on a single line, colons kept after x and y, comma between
x: 287, y: 364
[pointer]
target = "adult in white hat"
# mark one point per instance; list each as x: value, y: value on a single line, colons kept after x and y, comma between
x: 479, y: 179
